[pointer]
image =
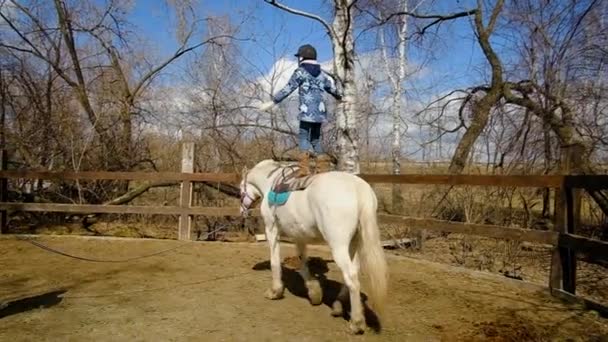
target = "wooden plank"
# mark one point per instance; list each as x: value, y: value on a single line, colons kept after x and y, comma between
x: 260, y: 237
x: 551, y: 181
x: 592, y: 249
x: 119, y: 209
x: 396, y: 243
x: 586, y: 303
x: 487, y: 180
x: 556, y: 273
x: 573, y: 203
x: 185, y: 198
x: 491, y: 231
x: 3, y: 191
x: 140, y: 176
x: 588, y: 182
x: 571, y: 165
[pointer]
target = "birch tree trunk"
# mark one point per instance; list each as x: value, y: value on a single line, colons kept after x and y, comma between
x: 396, y: 78
x: 344, y: 65
x: 398, y: 92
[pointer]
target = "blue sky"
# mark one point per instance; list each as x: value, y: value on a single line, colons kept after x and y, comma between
x: 448, y: 66
x: 454, y: 61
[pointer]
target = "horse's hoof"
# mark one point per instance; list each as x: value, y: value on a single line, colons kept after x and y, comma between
x: 337, y: 309
x: 315, y: 293
x: 273, y: 294
x: 357, y: 327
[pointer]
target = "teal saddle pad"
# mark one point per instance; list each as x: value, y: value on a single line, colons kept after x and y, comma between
x: 277, y: 199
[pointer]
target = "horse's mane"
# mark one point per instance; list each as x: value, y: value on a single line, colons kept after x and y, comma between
x: 282, y: 164
x: 284, y: 161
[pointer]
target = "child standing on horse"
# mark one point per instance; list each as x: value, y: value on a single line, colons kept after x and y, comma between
x: 311, y: 81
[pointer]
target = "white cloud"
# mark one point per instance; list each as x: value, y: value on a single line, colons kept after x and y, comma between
x: 278, y: 76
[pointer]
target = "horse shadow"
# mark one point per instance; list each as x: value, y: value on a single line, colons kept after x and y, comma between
x: 294, y: 283
x: 42, y: 300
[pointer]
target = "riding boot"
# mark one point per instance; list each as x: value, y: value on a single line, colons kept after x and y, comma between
x: 303, y: 164
x: 323, y: 163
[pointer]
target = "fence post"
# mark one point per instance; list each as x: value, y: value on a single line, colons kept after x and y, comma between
x: 556, y: 275
x: 567, y: 218
x: 572, y: 157
x: 3, y: 191
x: 185, y: 198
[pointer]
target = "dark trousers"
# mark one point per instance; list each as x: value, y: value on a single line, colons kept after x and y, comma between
x: 309, y: 137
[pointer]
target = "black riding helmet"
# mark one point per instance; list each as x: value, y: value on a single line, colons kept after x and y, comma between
x: 307, y: 52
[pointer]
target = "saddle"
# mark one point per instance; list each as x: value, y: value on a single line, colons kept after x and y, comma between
x: 287, y: 183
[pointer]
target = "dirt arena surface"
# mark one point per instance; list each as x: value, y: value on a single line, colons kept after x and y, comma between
x: 214, y: 292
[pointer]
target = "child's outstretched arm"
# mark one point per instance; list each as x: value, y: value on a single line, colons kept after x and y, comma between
x: 294, y: 82
x: 330, y: 86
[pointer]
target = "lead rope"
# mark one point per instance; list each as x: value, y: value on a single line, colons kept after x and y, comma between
x: 57, y: 251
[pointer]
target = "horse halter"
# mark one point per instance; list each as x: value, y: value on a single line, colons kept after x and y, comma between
x: 246, y: 200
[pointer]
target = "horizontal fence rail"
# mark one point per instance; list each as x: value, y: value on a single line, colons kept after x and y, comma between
x: 480, y: 180
x: 491, y: 231
x: 120, y: 209
x: 545, y: 181
x: 588, y: 182
x: 591, y: 249
x: 591, y: 182
x: 140, y: 176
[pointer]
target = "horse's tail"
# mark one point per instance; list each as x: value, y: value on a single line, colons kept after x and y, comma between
x: 372, y: 256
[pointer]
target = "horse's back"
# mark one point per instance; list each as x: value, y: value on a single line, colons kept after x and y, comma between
x: 337, y: 190
x: 341, y: 180
x: 335, y: 200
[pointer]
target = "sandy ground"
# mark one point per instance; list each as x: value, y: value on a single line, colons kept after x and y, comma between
x: 214, y: 292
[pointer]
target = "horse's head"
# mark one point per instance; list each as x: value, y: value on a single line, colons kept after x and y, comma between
x: 249, y: 192
x: 255, y: 181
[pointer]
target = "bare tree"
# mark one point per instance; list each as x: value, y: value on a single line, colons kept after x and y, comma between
x: 550, y: 37
x: 84, y: 52
x: 102, y: 28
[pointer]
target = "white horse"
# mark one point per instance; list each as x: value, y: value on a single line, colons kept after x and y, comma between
x: 337, y: 207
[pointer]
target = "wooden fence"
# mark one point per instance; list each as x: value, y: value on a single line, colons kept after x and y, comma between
x: 563, y: 237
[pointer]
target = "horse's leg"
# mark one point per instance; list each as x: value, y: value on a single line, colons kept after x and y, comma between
x: 337, y: 308
x: 315, y: 293
x: 277, y: 289
x: 350, y: 273
x: 338, y: 304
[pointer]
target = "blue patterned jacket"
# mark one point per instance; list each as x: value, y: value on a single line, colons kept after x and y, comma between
x: 311, y: 82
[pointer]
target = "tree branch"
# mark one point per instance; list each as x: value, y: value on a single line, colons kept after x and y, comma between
x: 224, y: 188
x: 483, y: 37
x: 136, y: 192
x: 35, y: 51
x: 251, y: 125
x: 175, y: 56
x: 330, y: 31
x: 70, y: 42
x: 438, y: 17
x: 494, y: 17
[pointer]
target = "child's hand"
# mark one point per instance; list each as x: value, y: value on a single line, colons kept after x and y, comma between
x: 266, y: 106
